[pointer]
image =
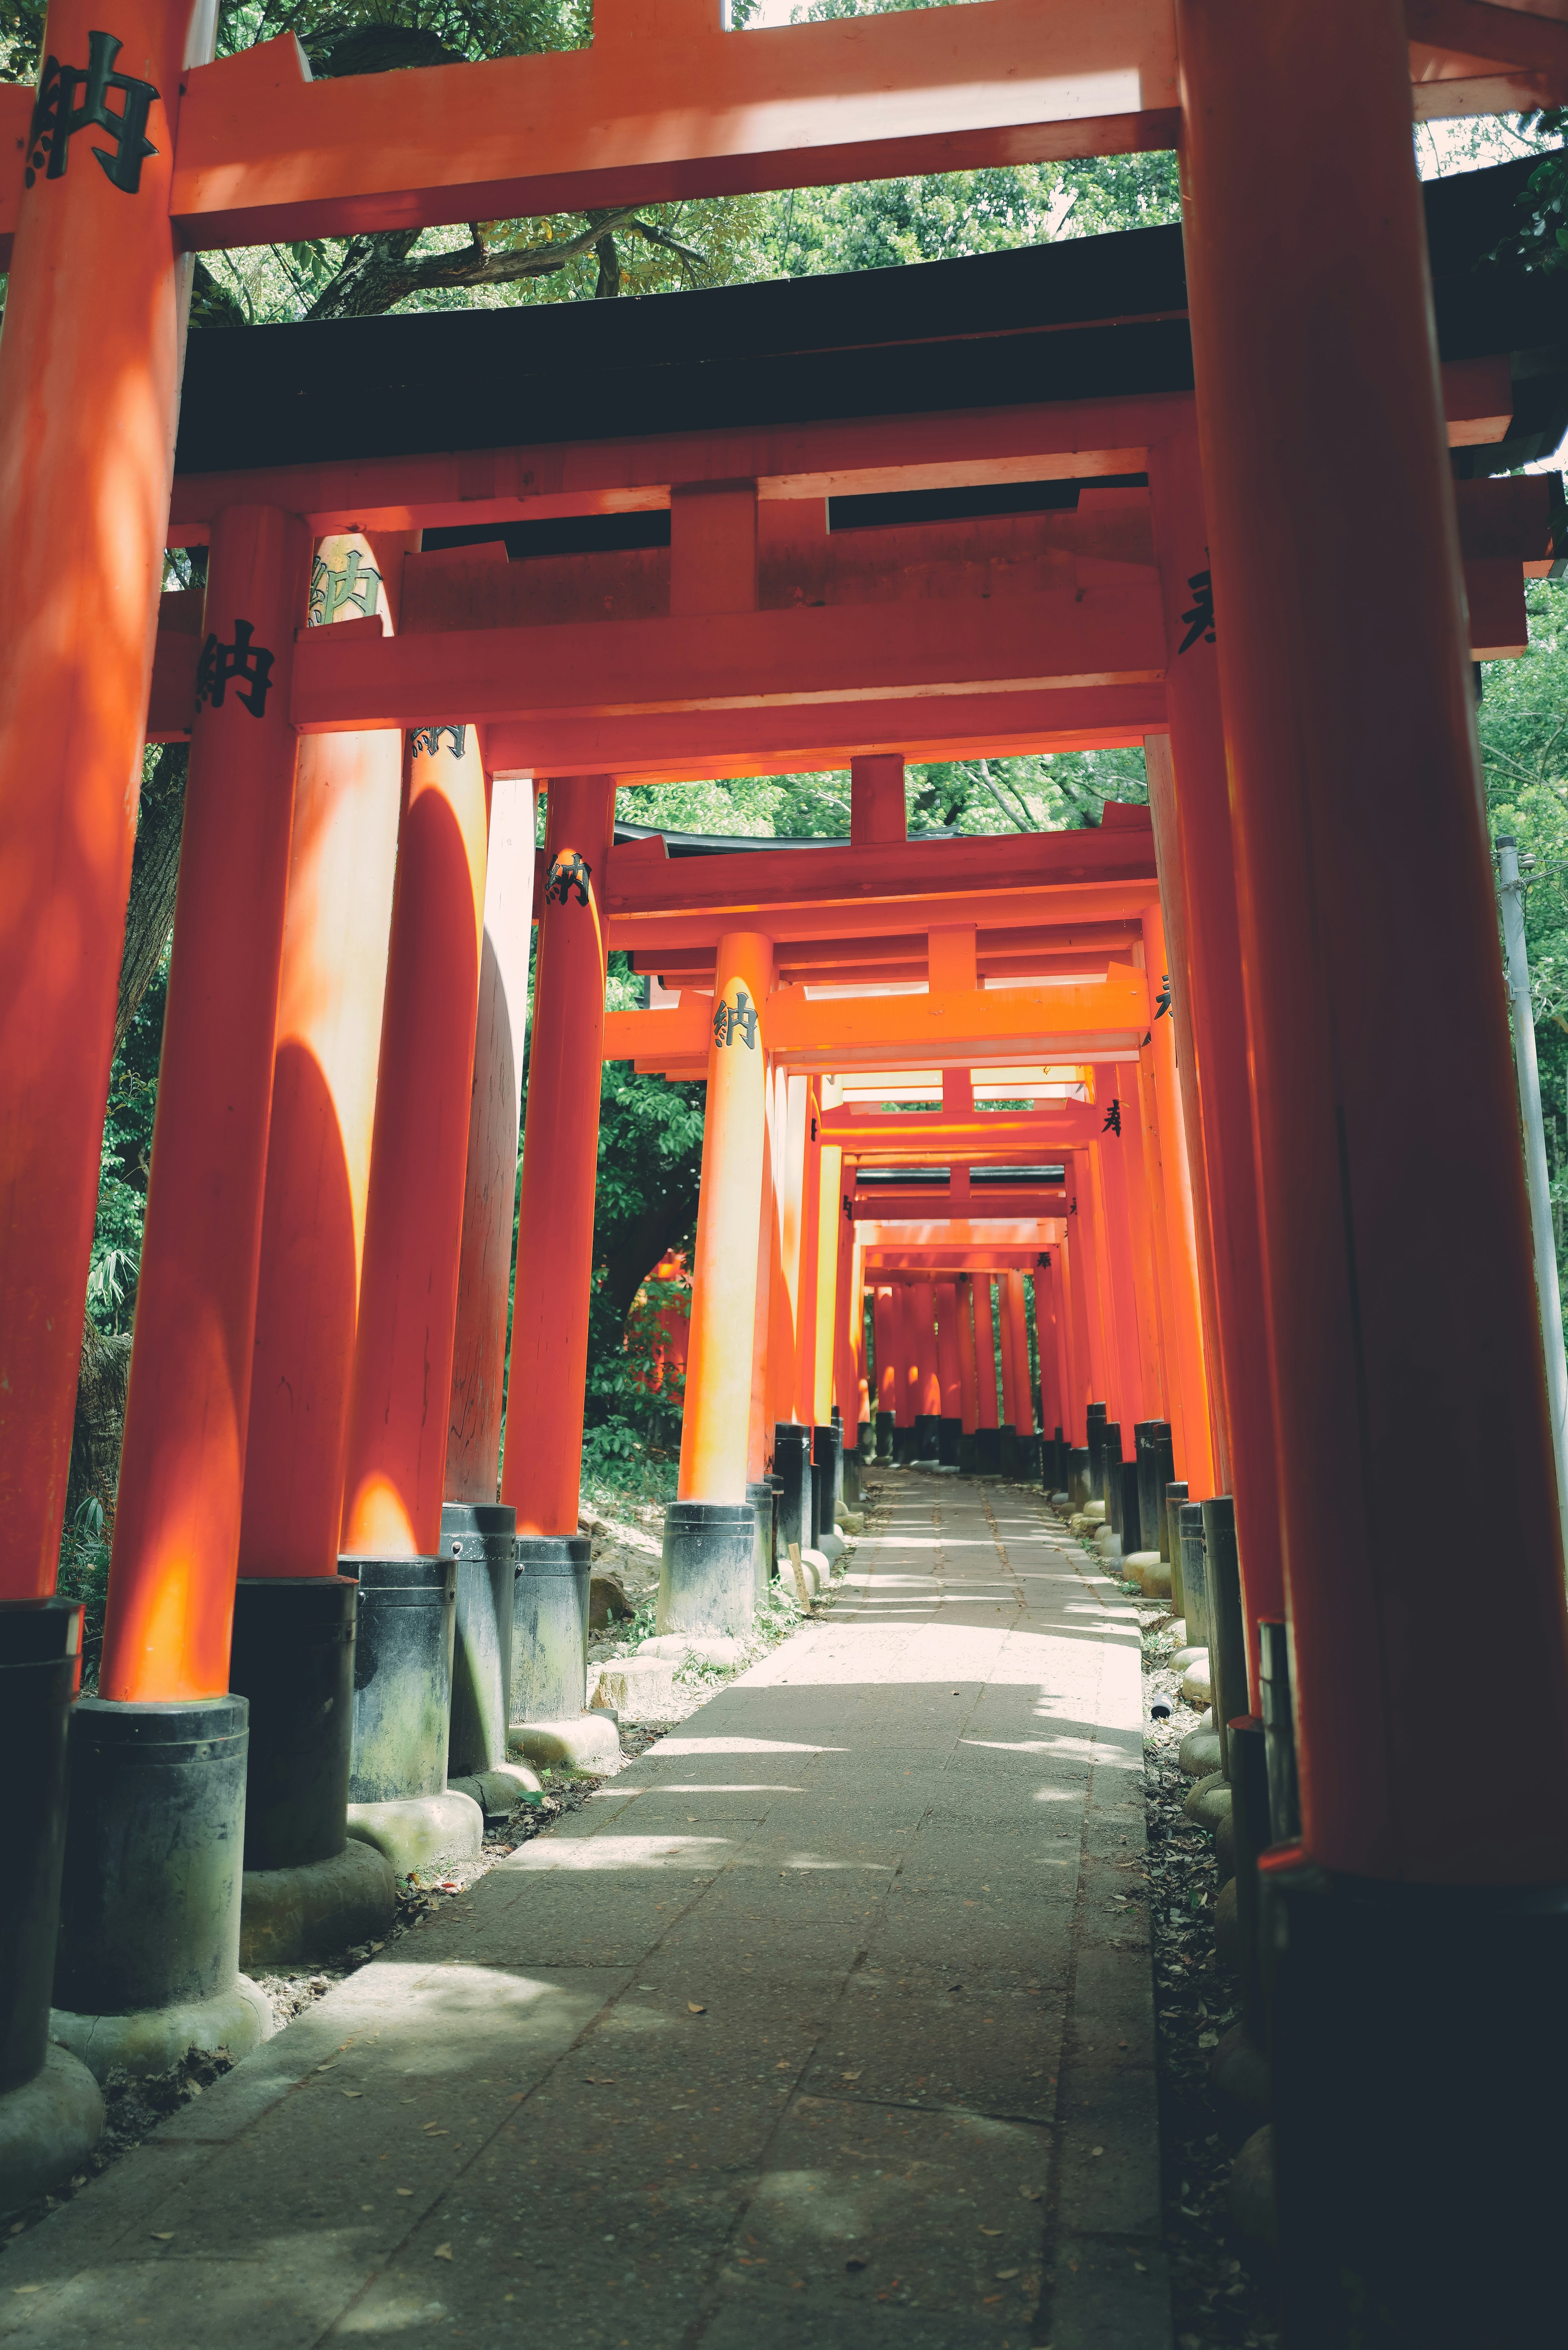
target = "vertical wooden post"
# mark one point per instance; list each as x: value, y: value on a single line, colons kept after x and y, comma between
x: 760, y: 1441
x: 1190, y: 1366
x: 877, y: 806
x: 89, y: 387
x: 1351, y: 755
x: 330, y: 994
x: 716, y: 1430
x: 1016, y: 1326
x: 985, y: 1353
x: 542, y: 1465
x: 829, y: 1231
x: 489, y: 1197
x: 969, y: 1381
x: 395, y: 1466
x: 182, y: 1477
x: 806, y: 1291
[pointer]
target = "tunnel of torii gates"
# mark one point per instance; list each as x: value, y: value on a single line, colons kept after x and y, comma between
x: 1272, y: 561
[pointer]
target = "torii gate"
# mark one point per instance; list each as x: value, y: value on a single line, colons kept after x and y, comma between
x: 1294, y: 979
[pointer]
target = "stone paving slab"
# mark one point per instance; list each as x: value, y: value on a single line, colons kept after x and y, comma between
x: 829, y: 2023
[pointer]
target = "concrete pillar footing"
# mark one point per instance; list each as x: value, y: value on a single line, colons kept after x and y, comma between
x: 415, y: 1831
x: 315, y: 1910
x: 48, y: 2126
x: 582, y: 1741
x: 152, y: 2038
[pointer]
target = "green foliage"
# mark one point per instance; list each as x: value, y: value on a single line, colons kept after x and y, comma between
x: 1541, y: 240
x: 127, y: 1152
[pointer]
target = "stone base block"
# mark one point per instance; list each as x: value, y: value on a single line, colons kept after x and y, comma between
x: 48, y: 2126
x: 1227, y: 1930
x: 1251, y: 2198
x: 1239, y: 2084
x: 1209, y: 1802
x: 1185, y: 1658
x: 1108, y: 1543
x: 154, y: 2038
x: 416, y: 1831
x: 711, y: 1647
x: 583, y: 1742
x: 639, y: 1688
x: 1095, y: 1511
x: 313, y: 1911
x: 1135, y: 1565
x: 853, y: 1522
x: 832, y: 1546
x: 499, y: 1792
x: 1199, y: 1752
x: 1197, y: 1686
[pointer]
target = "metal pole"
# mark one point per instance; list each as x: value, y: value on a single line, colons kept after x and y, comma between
x: 1511, y: 890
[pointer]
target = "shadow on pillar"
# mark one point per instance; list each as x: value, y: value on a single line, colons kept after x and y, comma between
x: 51, y: 2111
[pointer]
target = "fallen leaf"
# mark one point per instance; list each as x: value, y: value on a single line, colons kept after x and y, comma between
x: 405, y: 2191
x: 169, y: 2238
x: 990, y: 2232
x: 1032, y: 2194
x: 352, y: 2092
x: 1096, y: 2150
x: 26, y: 2288
x: 694, y: 2007
x: 852, y: 2076
x: 367, y: 2207
x: 442, y: 2252
x: 600, y: 2079
x: 1002, y: 2276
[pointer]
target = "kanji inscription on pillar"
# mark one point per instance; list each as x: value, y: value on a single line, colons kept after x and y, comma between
x: 737, y: 1019
x: 357, y: 585
x: 569, y: 871
x: 245, y: 666
x: 427, y: 739
x: 1113, y: 1124
x: 1199, y: 618
x: 57, y: 117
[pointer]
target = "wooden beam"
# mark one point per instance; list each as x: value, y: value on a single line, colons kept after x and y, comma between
x: 990, y: 1135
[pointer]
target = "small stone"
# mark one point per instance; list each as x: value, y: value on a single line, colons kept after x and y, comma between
x: 607, y: 1602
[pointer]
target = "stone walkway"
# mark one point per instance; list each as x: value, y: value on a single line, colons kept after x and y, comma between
x: 829, y: 2023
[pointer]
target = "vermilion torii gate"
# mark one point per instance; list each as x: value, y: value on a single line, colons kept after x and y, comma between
x: 1296, y: 781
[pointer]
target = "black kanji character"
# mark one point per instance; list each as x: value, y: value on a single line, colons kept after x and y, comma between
x: 1162, y: 1001
x: 568, y: 872
x: 428, y: 740
x: 1113, y: 1124
x: 57, y: 118
x: 1201, y: 618
x: 247, y: 666
x: 740, y: 1015
x: 359, y: 583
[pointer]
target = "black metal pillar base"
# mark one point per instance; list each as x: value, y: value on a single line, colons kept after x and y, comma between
x: 836, y: 1438
x: 148, y: 1962
x: 969, y: 1452
x: 550, y: 1628
x: 904, y: 1442
x: 1420, y: 2198
x: 760, y: 1498
x: 885, y: 1423
x: 949, y: 1432
x: 1078, y: 1475
x: 1096, y: 1416
x: 480, y: 1537
x: 828, y: 1481
x: 988, y: 1450
x: 40, y: 1658
x: 708, y: 1577
x: 1007, y: 1449
x: 927, y: 1436
x: 293, y: 1662
x: 402, y: 1676
x: 792, y: 1462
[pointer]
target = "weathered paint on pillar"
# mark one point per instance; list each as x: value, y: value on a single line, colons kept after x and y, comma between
x: 330, y: 994
x: 90, y: 387
x: 969, y: 1381
x: 395, y: 1467
x: 494, y: 1119
x: 985, y: 1352
x: 715, y: 1432
x: 948, y: 1370
x: 541, y: 1464
x: 1352, y: 755
x: 182, y: 1471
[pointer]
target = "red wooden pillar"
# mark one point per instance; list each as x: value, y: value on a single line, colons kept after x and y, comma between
x: 1046, y: 1347
x: 985, y: 1355
x: 806, y: 1293
x: 969, y: 1381
x: 542, y: 1465
x: 1110, y: 1156
x: 1351, y: 757
x: 885, y: 1319
x: 90, y: 387
x: 928, y: 1368
x: 1011, y: 1406
x: 1172, y: 1181
x: 949, y: 1373
x: 490, y: 1196
x: 395, y: 1473
x: 1084, y: 1226
x: 716, y: 1429
x: 908, y: 1370
x: 760, y: 1442
x: 1198, y: 811
x: 847, y: 1295
x: 182, y: 1476
x: 325, y: 1051
x: 1016, y: 1324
